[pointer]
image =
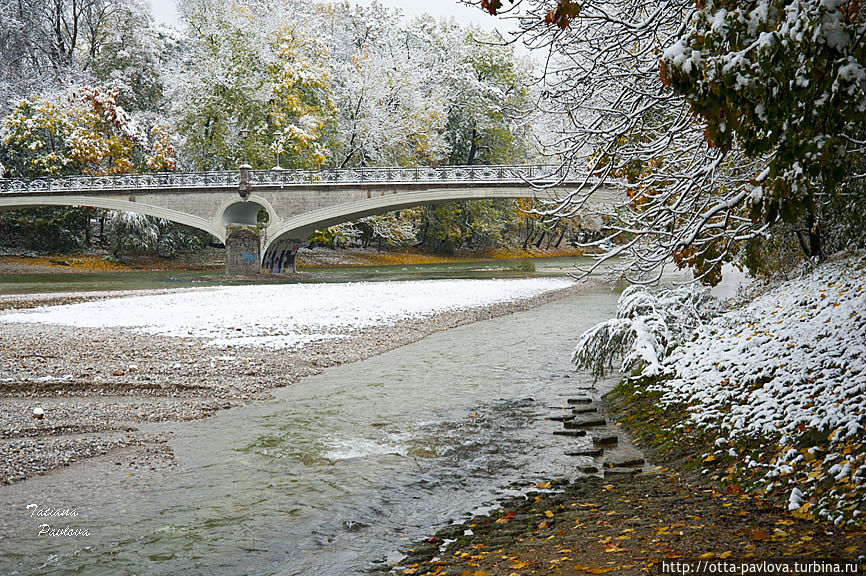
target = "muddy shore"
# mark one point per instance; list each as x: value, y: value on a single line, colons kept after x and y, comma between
x: 627, y: 518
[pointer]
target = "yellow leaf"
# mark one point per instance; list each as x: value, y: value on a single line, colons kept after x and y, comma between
x: 710, y: 458
x: 726, y: 554
x: 803, y: 512
x: 707, y: 556
x: 543, y: 484
x: 548, y: 513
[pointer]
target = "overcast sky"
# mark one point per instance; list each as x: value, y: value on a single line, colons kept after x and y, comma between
x: 165, y: 11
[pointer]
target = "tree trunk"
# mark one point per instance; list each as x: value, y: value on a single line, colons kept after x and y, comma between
x: 559, y: 240
x: 473, y: 148
x: 529, y: 235
x: 423, y: 230
x: 541, y: 238
x: 810, y: 238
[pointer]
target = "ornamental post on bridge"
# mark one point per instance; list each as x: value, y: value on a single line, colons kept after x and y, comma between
x: 243, y: 241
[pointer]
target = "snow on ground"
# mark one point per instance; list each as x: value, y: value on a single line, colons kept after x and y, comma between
x: 794, y: 357
x: 782, y: 382
x: 285, y: 315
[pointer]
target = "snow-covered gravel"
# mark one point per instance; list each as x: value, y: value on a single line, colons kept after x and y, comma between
x: 285, y: 315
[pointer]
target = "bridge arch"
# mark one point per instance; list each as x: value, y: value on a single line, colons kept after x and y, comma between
x: 244, y: 211
x: 301, y: 226
x: 24, y: 202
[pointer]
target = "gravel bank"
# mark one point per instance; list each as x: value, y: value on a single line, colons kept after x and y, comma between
x: 102, y: 389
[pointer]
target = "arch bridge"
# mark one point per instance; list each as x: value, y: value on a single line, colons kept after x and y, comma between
x: 298, y: 202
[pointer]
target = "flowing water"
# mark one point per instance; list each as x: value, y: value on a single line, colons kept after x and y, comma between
x: 337, y: 473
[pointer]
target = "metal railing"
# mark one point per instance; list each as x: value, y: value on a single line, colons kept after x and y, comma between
x: 230, y: 179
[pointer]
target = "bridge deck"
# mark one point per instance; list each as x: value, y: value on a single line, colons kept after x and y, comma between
x: 519, y: 175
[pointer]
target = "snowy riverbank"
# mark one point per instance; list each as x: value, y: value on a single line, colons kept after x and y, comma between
x: 288, y: 315
x: 767, y: 398
x: 105, y: 371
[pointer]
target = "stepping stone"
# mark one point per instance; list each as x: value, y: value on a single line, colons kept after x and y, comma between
x: 588, y: 469
x: 593, y: 452
x: 579, y: 401
x: 572, y: 433
x: 608, y: 472
x: 605, y: 440
x: 629, y: 463
x: 586, y: 422
x: 563, y: 418
x: 584, y: 410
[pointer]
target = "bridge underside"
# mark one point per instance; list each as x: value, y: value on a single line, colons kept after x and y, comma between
x: 294, y: 212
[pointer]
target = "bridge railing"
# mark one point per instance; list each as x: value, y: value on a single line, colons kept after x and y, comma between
x: 122, y: 182
x: 230, y: 179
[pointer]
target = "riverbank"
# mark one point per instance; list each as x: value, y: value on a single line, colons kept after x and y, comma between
x: 627, y: 525
x: 755, y: 420
x: 101, y: 388
x: 213, y: 260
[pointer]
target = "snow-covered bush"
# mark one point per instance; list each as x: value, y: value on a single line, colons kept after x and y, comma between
x: 646, y: 325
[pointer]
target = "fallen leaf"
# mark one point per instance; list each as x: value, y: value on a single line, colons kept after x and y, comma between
x: 758, y: 535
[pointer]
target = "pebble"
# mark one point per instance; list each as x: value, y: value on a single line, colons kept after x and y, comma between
x: 605, y: 440
x: 572, y: 433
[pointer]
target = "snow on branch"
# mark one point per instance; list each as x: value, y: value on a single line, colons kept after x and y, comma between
x: 646, y: 324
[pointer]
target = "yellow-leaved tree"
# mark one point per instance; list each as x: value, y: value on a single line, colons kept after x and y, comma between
x: 79, y: 131
x: 302, y: 108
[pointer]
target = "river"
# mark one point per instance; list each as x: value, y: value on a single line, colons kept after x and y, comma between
x: 340, y: 470
x: 142, y: 280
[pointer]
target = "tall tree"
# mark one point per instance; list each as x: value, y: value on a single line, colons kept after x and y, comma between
x: 251, y: 78
x: 785, y: 80
x: 778, y: 91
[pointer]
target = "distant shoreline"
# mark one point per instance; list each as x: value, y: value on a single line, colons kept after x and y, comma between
x: 212, y: 261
